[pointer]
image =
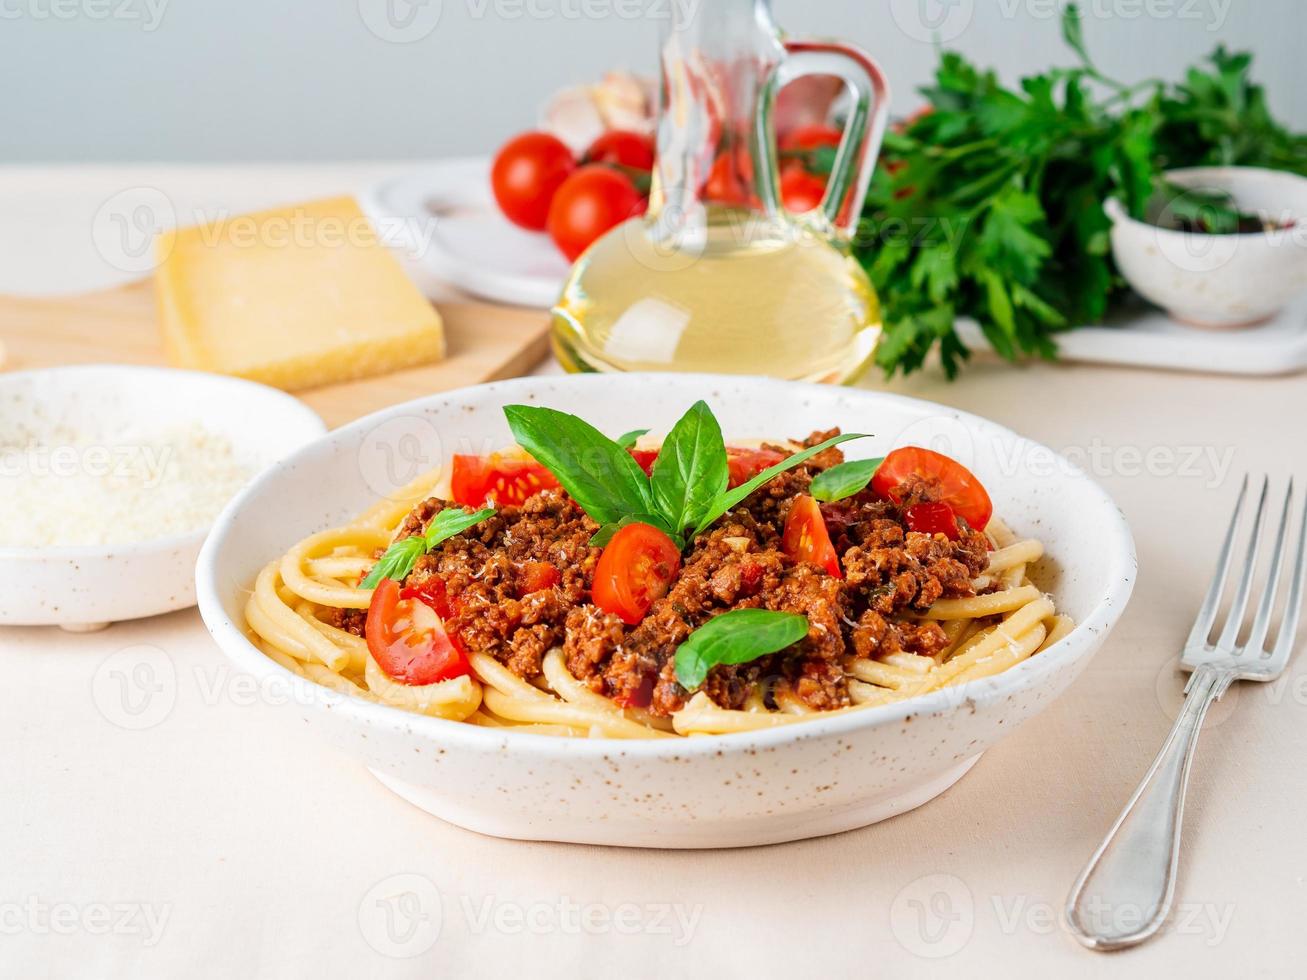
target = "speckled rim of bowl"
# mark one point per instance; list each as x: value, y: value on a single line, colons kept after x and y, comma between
x: 229, y: 637
x: 1117, y: 212
x: 190, y: 539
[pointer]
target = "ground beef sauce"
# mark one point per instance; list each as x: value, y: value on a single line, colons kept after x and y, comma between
x: 492, y: 573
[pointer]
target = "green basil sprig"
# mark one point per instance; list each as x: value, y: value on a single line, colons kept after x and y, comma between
x: 688, y: 488
x: 732, y: 498
x: 844, y: 480
x: 398, y: 560
x: 601, y: 476
x: 627, y: 440
x: 736, y: 637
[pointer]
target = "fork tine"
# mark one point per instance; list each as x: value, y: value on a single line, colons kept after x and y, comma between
x: 1289, y: 628
x: 1212, y: 602
x: 1262, y: 622
x: 1230, y: 635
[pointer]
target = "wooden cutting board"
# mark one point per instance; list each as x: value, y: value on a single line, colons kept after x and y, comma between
x: 485, y: 343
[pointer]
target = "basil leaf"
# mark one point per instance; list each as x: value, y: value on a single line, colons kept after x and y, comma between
x: 690, y: 472
x: 601, y: 476
x: 605, y: 534
x: 731, y: 498
x: 451, y: 521
x: 397, y: 561
x: 736, y: 637
x: 844, y: 480
x: 627, y: 440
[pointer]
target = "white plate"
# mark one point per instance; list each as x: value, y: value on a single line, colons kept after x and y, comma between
x: 804, y: 780
x: 89, y: 586
x: 448, y: 219
x: 1144, y: 336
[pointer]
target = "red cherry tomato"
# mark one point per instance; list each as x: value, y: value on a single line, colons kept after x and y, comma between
x: 932, y: 518
x: 730, y: 180
x: 589, y: 203
x: 645, y: 457
x: 408, y: 640
x: 811, y: 137
x: 744, y: 464
x: 431, y: 591
x: 957, y: 486
x: 805, y: 537
x: 527, y: 172
x: 503, y: 479
x: 623, y: 148
x: 636, y: 568
x: 801, y: 191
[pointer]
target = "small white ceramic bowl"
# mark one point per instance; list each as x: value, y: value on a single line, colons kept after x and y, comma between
x: 1219, y: 281
x: 88, y: 586
x: 803, y: 780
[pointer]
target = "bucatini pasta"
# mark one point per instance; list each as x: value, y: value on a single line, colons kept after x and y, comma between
x: 502, y: 611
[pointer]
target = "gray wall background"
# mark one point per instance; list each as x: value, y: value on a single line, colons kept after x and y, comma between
x: 234, y: 80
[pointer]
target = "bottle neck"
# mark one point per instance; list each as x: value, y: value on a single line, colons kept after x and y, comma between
x: 716, y: 58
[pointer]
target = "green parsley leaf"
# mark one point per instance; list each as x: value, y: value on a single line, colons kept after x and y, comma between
x: 844, y: 480
x: 735, y: 637
x: 690, y: 472
x: 601, y: 476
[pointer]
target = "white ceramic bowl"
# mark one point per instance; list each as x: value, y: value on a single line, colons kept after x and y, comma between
x: 1219, y: 281
x: 89, y: 586
x: 786, y: 783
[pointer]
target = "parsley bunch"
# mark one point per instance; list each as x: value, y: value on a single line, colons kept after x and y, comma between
x: 989, y: 206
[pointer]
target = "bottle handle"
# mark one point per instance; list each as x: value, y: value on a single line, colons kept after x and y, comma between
x: 868, y: 112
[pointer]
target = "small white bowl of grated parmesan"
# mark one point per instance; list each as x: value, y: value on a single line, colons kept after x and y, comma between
x: 110, y: 477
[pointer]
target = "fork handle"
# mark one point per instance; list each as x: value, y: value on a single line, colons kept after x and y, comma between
x: 1124, y: 894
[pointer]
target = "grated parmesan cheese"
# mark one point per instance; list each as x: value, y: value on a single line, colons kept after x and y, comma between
x: 69, y: 485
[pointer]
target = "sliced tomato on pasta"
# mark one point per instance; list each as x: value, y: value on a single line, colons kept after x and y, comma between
x: 636, y: 569
x: 744, y: 464
x: 954, y: 484
x: 932, y: 518
x: 497, y: 479
x: 407, y: 638
x: 805, y: 537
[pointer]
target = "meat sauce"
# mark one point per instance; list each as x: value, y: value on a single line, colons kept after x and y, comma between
x: 518, y: 584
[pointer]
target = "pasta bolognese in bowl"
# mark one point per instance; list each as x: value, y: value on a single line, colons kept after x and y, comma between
x: 670, y: 582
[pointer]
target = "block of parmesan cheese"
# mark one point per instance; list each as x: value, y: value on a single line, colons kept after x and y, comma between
x: 293, y: 297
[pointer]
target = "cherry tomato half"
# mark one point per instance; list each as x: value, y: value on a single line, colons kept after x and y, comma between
x: 805, y: 537
x: 589, y: 203
x: 636, y: 569
x: 408, y: 640
x: 801, y: 191
x: 527, y: 172
x: 957, y: 486
x: 503, y: 479
x: 932, y: 518
x: 623, y: 148
x: 646, y: 458
x: 744, y: 464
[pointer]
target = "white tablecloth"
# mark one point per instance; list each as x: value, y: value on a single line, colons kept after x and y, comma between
x: 218, y: 840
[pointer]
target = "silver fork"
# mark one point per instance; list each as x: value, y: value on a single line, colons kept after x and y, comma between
x: 1124, y: 894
